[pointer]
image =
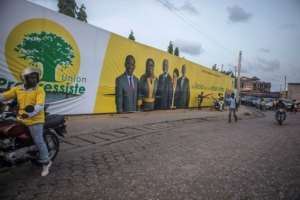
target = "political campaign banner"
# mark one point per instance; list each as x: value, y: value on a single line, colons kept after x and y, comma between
x: 86, y: 70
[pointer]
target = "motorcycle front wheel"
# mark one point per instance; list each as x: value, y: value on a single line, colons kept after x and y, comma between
x: 52, y: 143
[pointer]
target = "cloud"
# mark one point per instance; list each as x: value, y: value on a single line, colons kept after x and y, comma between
x: 267, y: 65
x: 188, y: 47
x: 186, y: 7
x: 294, y: 72
x: 189, y: 7
x: 238, y: 14
x: 264, y: 50
x: 289, y: 27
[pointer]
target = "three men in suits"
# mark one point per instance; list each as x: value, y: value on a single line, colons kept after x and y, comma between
x: 127, y: 88
x: 183, y: 98
x: 164, y: 90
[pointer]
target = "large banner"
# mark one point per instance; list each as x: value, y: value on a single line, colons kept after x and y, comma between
x: 89, y: 70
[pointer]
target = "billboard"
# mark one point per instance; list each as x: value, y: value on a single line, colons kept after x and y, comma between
x: 84, y: 67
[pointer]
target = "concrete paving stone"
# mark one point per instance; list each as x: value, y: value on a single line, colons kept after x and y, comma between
x: 65, y: 146
x: 103, y: 136
x: 151, y: 127
x: 113, y: 133
x: 129, y: 131
x: 91, y: 138
x: 251, y: 159
x: 77, y: 141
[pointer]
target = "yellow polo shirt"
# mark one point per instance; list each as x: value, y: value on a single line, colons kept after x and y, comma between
x: 27, y: 97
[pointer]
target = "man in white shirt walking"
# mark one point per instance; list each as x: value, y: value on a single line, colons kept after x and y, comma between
x: 232, y: 107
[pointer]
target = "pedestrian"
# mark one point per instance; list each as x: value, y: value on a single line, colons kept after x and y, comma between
x: 232, y: 107
x: 294, y: 107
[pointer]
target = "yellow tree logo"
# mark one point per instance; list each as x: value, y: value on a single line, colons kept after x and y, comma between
x: 44, y: 44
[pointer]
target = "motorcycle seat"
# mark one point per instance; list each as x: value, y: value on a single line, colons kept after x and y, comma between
x: 53, y: 121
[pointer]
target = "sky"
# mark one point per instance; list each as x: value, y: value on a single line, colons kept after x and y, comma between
x: 211, y: 32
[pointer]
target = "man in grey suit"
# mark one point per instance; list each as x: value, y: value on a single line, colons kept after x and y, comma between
x: 183, y: 97
x: 127, y: 88
x: 164, y: 90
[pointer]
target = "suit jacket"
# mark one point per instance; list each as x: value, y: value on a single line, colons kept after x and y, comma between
x: 164, y: 92
x: 126, y: 96
x: 183, y: 94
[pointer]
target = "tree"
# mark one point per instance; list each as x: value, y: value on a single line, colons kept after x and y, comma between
x: 176, y: 52
x: 131, y: 36
x: 214, y: 67
x: 48, y: 49
x: 67, y: 7
x: 81, y: 15
x: 170, y: 47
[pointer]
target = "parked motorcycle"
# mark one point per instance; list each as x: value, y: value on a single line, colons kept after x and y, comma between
x: 16, y: 144
x: 219, y: 105
x: 280, y: 116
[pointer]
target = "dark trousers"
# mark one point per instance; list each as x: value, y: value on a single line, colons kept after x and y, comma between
x: 200, y: 103
x: 232, y: 110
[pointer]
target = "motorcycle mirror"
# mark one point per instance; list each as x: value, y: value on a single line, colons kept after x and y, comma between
x: 29, y: 108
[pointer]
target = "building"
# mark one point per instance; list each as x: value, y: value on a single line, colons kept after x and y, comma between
x: 294, y: 91
x: 255, y: 87
x: 254, y: 84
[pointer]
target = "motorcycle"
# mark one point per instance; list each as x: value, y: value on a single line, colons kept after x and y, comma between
x: 16, y: 144
x: 219, y: 105
x: 280, y: 116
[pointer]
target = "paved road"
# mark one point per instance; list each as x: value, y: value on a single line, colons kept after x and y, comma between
x: 199, y: 158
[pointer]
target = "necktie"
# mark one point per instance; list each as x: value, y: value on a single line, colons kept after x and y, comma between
x: 130, y: 82
x: 182, y: 81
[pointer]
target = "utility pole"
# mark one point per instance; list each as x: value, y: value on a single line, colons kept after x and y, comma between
x: 239, y: 75
x: 284, y: 83
x: 235, y: 69
x: 285, y: 89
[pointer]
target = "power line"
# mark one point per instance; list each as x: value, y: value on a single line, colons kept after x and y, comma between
x: 192, y: 25
x: 178, y: 13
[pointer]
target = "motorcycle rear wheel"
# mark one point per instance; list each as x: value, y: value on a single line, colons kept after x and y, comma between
x: 52, y: 142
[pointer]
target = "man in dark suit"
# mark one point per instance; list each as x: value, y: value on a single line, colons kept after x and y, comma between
x: 164, y: 90
x: 183, y: 98
x: 127, y: 88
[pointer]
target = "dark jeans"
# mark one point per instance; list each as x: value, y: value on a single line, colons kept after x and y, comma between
x: 232, y: 110
x: 200, y: 103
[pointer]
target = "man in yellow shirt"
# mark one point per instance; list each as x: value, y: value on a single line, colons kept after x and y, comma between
x: 30, y: 94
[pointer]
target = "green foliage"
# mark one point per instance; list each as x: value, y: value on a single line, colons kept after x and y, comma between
x: 70, y: 8
x: 170, y: 47
x: 215, y: 68
x: 131, y: 36
x: 67, y: 7
x: 81, y: 15
x: 48, y: 49
x: 176, y: 52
